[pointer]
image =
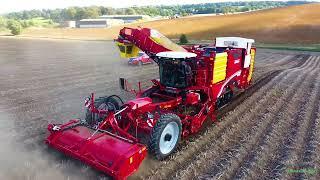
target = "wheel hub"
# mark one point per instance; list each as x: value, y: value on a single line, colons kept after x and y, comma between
x: 169, y: 138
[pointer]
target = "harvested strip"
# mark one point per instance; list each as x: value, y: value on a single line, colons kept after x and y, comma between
x: 271, y: 149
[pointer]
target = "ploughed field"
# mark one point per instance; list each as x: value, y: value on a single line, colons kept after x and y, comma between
x: 266, y: 131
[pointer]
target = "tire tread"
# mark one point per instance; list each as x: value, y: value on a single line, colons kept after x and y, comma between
x: 156, y: 134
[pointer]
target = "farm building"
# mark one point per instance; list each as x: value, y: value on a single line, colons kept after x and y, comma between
x: 69, y: 24
x: 99, y: 23
x: 126, y: 18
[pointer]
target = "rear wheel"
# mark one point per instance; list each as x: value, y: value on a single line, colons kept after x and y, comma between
x: 165, y: 136
x: 102, y: 103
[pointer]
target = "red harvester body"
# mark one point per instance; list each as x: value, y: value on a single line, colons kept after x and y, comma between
x: 194, y: 82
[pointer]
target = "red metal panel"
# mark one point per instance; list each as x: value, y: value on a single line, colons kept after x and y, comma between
x: 101, y: 150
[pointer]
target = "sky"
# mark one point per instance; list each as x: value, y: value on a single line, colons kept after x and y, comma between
x: 19, y: 5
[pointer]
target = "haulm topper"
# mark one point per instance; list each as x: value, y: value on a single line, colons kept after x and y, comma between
x: 194, y: 81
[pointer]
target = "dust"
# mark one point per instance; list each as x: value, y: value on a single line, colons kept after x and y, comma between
x: 19, y: 163
x: 147, y: 164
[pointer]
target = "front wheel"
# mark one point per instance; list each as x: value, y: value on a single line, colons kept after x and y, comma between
x: 165, y: 136
x: 102, y: 103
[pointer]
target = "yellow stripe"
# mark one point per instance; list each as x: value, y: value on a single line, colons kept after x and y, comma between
x: 253, y: 53
x: 220, y: 67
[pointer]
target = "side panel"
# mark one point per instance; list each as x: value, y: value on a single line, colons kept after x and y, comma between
x: 253, y: 53
x: 220, y: 67
x: 234, y: 61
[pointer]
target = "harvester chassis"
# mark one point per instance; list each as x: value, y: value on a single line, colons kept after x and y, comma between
x: 115, y: 136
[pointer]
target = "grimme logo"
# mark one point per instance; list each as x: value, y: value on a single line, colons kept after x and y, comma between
x: 301, y: 168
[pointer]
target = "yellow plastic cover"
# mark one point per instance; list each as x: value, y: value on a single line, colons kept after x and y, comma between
x: 220, y: 67
x: 128, y: 50
x: 253, y: 53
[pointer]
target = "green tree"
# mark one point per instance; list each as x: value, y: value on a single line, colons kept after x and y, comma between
x: 80, y: 14
x: 183, y: 39
x: 31, y: 23
x: 130, y: 11
x: 77, y: 13
x: 71, y: 13
x: 226, y: 9
x: 120, y: 11
x: 15, y: 27
x: 92, y: 12
x: 55, y: 15
x: 3, y: 22
x: 24, y: 23
x: 26, y: 15
x: 244, y: 9
x: 108, y: 11
x: 50, y: 22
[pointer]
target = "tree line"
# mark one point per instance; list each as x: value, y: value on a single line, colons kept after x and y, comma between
x: 77, y: 13
x: 16, y: 21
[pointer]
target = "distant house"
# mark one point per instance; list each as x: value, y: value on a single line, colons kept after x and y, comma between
x: 175, y: 16
x: 69, y: 24
x: 125, y: 18
x: 99, y: 23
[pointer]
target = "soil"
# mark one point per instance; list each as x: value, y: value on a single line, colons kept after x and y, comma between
x: 45, y: 81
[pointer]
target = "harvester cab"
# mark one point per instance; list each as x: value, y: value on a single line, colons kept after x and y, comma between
x: 175, y: 68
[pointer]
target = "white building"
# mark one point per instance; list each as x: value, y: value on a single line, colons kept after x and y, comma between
x: 69, y: 24
x: 99, y: 23
x: 126, y: 18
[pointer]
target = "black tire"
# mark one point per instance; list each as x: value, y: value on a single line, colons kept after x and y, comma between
x: 155, y: 137
x: 91, y: 118
x: 229, y: 96
x: 224, y: 99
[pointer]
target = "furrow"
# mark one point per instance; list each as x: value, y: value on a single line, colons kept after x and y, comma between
x: 256, y: 136
x: 242, y: 130
x: 302, y: 137
x: 270, y: 150
x: 315, y: 153
x: 251, y: 157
